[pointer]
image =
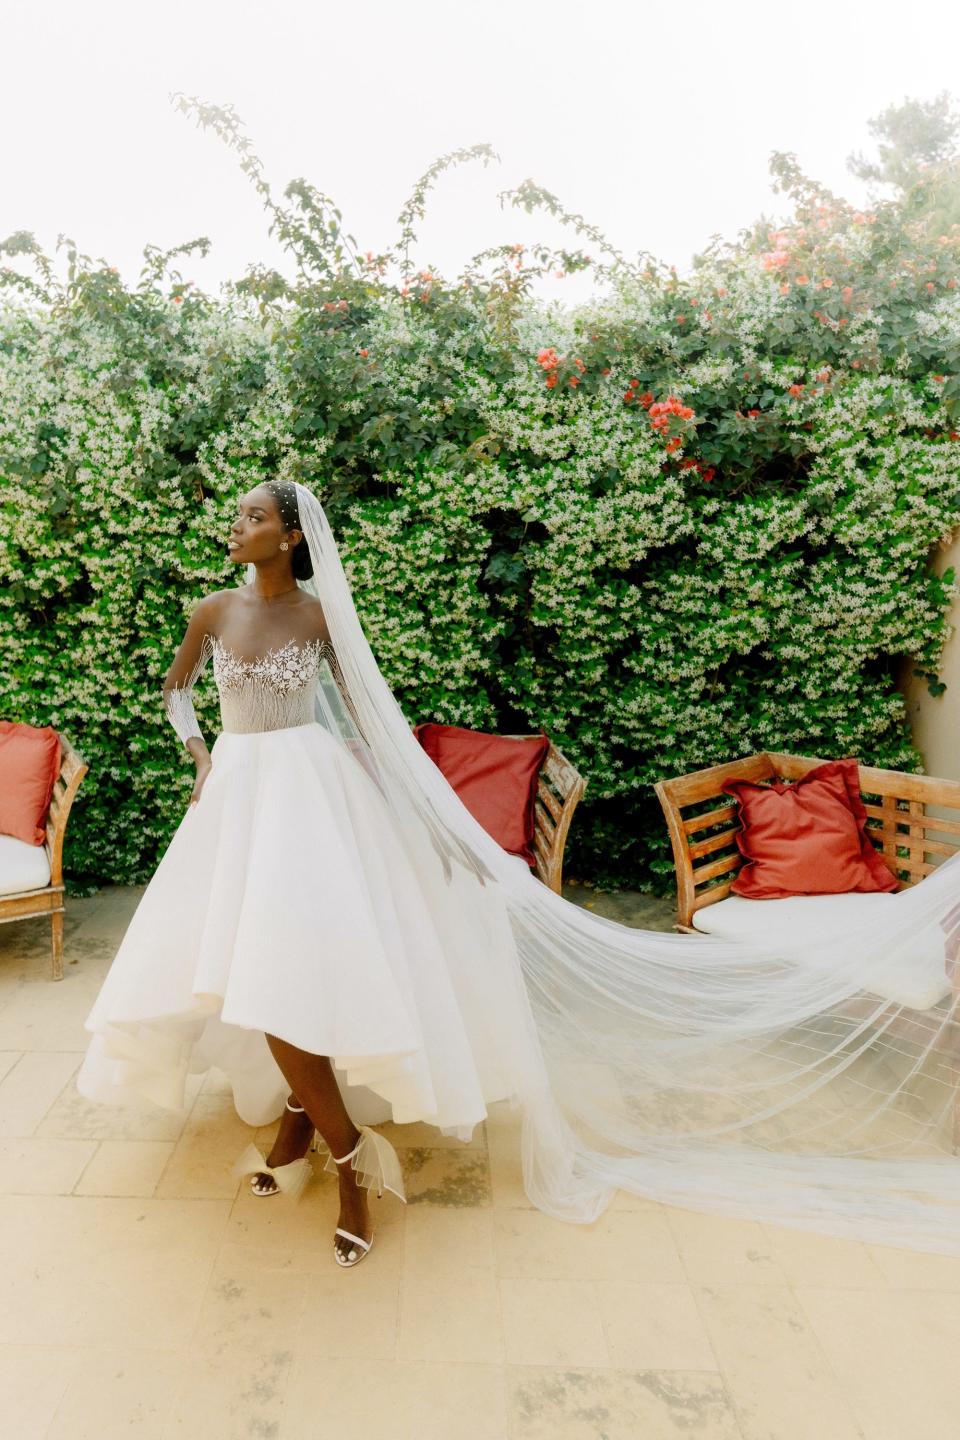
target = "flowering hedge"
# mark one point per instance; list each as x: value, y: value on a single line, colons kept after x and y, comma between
x: 686, y: 521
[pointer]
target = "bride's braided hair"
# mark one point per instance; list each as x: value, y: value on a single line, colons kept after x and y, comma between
x: 285, y: 494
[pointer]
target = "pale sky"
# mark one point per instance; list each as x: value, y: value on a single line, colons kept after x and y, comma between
x: 655, y: 122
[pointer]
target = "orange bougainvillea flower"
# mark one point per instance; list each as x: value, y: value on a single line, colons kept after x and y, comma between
x: 574, y: 380
x: 826, y: 283
x: 847, y: 294
x: 646, y: 399
x: 930, y: 285
x: 364, y: 353
x: 753, y: 414
x: 721, y: 291
x: 605, y: 372
x: 784, y: 289
x: 795, y: 390
x: 551, y: 381
x: 674, y: 444
x: 801, y: 280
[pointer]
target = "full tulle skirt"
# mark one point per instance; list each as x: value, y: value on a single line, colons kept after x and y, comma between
x: 292, y: 901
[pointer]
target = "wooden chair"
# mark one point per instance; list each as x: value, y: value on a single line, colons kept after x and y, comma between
x: 914, y: 821
x: 29, y: 904
x: 560, y: 788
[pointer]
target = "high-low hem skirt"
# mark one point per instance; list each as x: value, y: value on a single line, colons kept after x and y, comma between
x: 293, y: 901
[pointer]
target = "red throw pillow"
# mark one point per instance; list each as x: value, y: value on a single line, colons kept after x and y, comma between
x: 495, y: 777
x: 808, y: 838
x: 29, y: 765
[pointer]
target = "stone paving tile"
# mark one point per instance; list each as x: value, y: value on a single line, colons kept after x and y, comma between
x: 151, y: 1295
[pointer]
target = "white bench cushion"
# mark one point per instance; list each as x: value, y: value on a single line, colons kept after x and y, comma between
x: 918, y: 980
x: 22, y: 866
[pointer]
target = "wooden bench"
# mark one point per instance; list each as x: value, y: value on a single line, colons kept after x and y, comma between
x: 30, y: 904
x: 914, y: 821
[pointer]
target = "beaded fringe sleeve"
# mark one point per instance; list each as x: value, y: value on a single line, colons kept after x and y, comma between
x: 178, y: 699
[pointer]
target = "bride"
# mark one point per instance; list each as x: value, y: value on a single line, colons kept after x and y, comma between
x: 332, y: 929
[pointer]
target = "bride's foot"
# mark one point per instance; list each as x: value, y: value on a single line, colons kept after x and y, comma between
x: 292, y: 1142
x: 354, y: 1214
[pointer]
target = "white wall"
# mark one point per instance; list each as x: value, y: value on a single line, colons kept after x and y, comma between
x: 935, y: 721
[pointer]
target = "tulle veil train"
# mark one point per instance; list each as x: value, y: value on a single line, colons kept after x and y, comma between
x: 775, y: 1085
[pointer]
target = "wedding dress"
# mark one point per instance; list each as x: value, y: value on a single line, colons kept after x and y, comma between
x: 331, y: 888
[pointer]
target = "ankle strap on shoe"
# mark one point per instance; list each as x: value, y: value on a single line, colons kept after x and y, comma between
x: 352, y: 1152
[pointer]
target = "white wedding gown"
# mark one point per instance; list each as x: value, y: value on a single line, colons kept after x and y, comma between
x: 331, y: 888
x: 289, y: 902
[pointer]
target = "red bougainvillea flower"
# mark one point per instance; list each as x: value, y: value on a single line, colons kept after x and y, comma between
x: 930, y: 285
x: 628, y: 395
x: 674, y: 444
x: 605, y: 372
x: 681, y: 318
x: 646, y: 399
x: 574, y: 380
x: 708, y: 473
x: 548, y: 358
x: 689, y: 464
x: 795, y: 390
x: 775, y: 259
x: 364, y: 353
x: 823, y: 374
x: 753, y: 414
x: 580, y: 365
x: 551, y: 381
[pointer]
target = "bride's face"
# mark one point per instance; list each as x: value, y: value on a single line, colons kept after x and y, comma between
x: 257, y: 529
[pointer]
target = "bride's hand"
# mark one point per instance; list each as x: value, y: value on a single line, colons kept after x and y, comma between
x: 203, y: 770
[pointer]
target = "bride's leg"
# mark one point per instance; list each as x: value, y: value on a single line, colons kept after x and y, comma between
x: 293, y: 1140
x: 312, y: 1080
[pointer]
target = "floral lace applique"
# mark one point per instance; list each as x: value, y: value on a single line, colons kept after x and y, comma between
x: 287, y: 668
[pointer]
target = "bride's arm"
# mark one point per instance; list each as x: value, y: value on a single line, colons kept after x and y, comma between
x: 192, y: 655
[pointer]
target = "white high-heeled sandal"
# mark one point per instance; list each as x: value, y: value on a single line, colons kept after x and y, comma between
x: 375, y: 1163
x: 288, y: 1179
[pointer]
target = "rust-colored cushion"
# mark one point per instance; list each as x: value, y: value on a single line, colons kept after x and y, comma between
x: 29, y: 765
x: 808, y: 838
x: 495, y: 777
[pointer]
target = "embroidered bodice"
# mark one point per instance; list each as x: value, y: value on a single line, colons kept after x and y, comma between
x: 273, y: 691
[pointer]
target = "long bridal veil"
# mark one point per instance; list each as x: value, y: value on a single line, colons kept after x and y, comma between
x: 813, y: 1086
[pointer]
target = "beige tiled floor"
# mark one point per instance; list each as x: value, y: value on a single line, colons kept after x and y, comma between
x: 147, y: 1295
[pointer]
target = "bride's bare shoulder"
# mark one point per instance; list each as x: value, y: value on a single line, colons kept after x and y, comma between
x: 313, y: 612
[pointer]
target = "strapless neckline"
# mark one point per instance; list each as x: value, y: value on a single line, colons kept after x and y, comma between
x: 277, y: 653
